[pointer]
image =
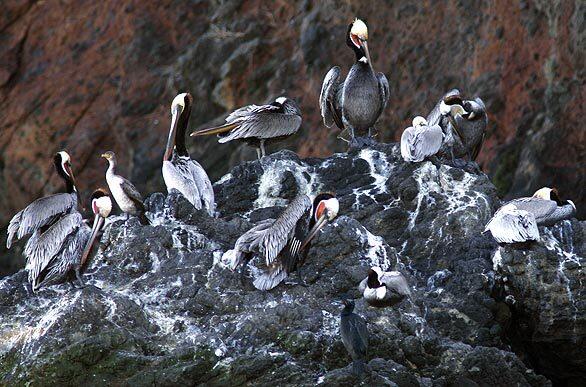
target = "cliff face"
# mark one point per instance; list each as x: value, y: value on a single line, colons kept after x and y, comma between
x: 161, y: 307
x: 90, y: 76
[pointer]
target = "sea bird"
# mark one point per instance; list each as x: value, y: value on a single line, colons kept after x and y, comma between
x: 381, y: 289
x: 124, y: 192
x: 421, y: 140
x: 180, y: 172
x: 356, y: 103
x: 259, y: 124
x: 281, y: 244
x: 354, y: 332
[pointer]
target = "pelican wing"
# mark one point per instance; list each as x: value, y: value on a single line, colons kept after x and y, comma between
x: 264, y: 122
x: 43, y: 247
x: 434, y: 117
x: 39, y: 213
x: 384, y: 90
x: 204, y: 186
x: 177, y: 175
x: 329, y: 99
x: 540, y: 208
x: 68, y: 257
x: 421, y: 142
x: 511, y: 225
x: 396, y: 282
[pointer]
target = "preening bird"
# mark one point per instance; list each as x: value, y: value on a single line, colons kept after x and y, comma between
x: 354, y: 332
x: 383, y: 289
x: 180, y: 172
x: 59, y: 234
x: 421, y: 140
x: 357, y: 102
x: 281, y: 244
x: 257, y: 125
x: 124, y: 192
x: 517, y: 220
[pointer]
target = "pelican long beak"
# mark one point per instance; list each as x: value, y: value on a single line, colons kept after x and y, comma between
x: 214, y: 130
x: 172, y: 132
x: 321, y: 222
x: 364, y: 45
x: 97, y: 226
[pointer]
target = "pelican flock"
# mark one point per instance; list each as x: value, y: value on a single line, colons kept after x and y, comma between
x: 61, y: 241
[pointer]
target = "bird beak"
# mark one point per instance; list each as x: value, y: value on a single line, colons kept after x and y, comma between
x: 172, y: 132
x: 471, y: 116
x: 97, y: 226
x: 321, y: 222
x: 364, y: 45
x: 216, y: 130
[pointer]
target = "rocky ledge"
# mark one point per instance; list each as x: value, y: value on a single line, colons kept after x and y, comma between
x: 161, y: 307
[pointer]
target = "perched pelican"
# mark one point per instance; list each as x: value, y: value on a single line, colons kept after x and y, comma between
x: 354, y: 332
x: 180, y: 172
x: 421, y: 140
x: 357, y: 102
x: 125, y: 193
x: 46, y: 212
x: 101, y: 208
x: 382, y: 289
x: 282, y: 243
x: 256, y: 124
x: 512, y: 225
x: 518, y: 219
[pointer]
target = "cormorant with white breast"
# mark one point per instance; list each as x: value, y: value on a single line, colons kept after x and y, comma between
x: 421, y: 140
x: 180, y: 172
x: 381, y: 289
x: 354, y: 332
x: 257, y: 125
x: 357, y: 102
x: 124, y: 192
x: 281, y: 244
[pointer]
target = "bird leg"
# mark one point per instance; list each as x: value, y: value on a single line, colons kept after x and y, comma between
x: 79, y: 277
x: 258, y: 153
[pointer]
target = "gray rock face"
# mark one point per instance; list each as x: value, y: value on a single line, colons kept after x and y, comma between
x: 162, y: 308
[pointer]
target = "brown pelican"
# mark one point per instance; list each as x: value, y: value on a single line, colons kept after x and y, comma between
x: 382, y: 289
x: 354, y: 332
x: 126, y: 195
x: 518, y: 219
x: 101, y: 208
x: 180, y: 172
x: 421, y: 140
x: 463, y: 122
x: 357, y: 102
x: 45, y: 212
x: 258, y: 124
x: 282, y: 243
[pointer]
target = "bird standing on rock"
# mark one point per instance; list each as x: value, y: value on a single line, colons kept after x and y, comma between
x: 125, y: 193
x: 354, y: 332
x: 180, y: 172
x: 356, y: 103
x: 257, y: 125
x: 281, y: 244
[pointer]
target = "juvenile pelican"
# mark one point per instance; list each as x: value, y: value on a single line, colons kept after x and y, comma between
x: 382, y: 289
x: 357, y: 102
x: 180, y: 172
x: 354, y: 332
x: 421, y: 140
x: 256, y: 124
x: 283, y: 242
x: 124, y: 192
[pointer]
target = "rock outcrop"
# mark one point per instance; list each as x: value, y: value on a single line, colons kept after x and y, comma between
x: 161, y: 307
x: 93, y: 76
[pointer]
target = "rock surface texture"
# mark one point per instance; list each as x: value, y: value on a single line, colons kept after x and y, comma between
x: 162, y: 308
x: 91, y: 76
